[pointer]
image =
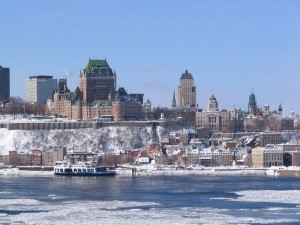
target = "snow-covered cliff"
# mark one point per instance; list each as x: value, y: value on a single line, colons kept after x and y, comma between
x: 115, y: 137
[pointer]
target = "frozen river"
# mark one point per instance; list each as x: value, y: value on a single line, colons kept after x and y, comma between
x: 149, y: 200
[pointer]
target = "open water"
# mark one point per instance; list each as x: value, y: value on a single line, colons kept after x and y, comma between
x: 149, y: 200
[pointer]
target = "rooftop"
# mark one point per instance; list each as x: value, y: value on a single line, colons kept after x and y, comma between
x: 187, y: 75
x: 97, y: 68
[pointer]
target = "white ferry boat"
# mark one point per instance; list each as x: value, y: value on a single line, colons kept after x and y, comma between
x: 82, y: 170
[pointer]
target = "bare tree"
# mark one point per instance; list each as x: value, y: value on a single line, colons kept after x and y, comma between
x: 14, y: 106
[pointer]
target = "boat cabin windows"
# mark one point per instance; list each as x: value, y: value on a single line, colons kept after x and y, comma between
x: 101, y: 169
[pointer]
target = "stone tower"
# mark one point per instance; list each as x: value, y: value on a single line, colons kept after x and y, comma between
x: 186, y: 91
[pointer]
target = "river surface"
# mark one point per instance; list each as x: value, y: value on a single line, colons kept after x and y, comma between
x: 149, y: 200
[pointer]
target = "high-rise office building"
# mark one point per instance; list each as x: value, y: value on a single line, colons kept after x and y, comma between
x: 97, y: 81
x: 4, y: 83
x: 39, y: 88
x: 186, y: 91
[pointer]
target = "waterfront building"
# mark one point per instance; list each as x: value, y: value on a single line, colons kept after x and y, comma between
x: 267, y: 156
x: 97, y: 81
x: 39, y: 88
x: 205, y: 157
x: 193, y: 156
x: 212, y: 118
x: 4, y: 84
x: 292, y: 158
x: 49, y: 158
x: 242, y: 156
x: 32, y: 158
x: 215, y: 156
x: 186, y: 91
x: 220, y: 157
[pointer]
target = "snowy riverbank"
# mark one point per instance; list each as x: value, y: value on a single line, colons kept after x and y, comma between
x: 149, y: 170
x: 17, y: 172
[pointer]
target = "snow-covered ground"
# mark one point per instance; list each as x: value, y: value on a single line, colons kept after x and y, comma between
x: 30, y: 119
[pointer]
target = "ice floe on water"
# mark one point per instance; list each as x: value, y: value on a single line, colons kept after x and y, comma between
x: 18, y: 202
x: 122, y: 212
x: 275, y: 196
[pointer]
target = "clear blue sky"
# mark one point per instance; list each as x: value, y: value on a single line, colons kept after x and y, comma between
x: 230, y: 47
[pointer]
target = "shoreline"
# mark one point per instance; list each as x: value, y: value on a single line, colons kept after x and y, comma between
x: 140, y: 171
x: 204, y: 172
x: 150, y: 170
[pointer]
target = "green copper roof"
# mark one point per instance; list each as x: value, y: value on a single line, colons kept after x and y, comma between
x: 97, y: 68
x: 252, y: 101
x: 186, y: 75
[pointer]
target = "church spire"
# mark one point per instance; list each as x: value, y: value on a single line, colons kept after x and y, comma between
x: 174, y: 101
x: 280, y: 109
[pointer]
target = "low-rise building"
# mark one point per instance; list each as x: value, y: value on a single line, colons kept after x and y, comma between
x: 205, y: 157
x: 288, y: 147
x: 221, y: 157
x: 193, y: 156
x: 242, y: 156
x: 267, y: 156
x: 292, y: 158
x: 269, y: 138
x: 49, y: 158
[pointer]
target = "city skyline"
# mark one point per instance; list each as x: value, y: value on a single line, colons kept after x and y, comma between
x: 230, y: 48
